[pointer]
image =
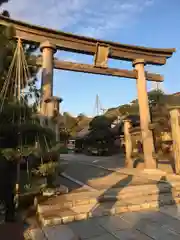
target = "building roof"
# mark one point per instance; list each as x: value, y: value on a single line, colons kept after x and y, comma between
x: 85, y: 131
x: 176, y: 94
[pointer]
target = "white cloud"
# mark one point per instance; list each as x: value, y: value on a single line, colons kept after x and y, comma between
x: 94, y: 18
x: 50, y: 13
x: 114, y: 15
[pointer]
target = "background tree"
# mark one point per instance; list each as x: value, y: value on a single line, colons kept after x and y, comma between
x: 155, y: 97
x: 100, y: 122
x: 100, y: 135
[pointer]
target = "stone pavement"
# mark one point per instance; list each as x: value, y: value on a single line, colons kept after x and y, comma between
x: 159, y: 225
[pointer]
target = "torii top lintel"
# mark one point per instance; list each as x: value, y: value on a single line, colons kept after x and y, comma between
x: 80, y: 44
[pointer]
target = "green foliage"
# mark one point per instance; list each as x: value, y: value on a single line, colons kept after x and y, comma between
x: 59, y: 148
x: 64, y: 134
x: 63, y: 150
x: 16, y: 119
x: 7, y: 48
x: 100, y: 130
x: 21, y: 134
x: 123, y: 110
x: 155, y: 97
x: 100, y: 122
x: 18, y: 129
x: 47, y: 169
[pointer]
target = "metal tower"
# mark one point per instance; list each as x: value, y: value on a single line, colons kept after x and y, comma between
x: 98, y: 109
x: 156, y: 86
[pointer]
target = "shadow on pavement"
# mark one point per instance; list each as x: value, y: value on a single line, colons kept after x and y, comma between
x: 159, y: 224
x: 124, y: 183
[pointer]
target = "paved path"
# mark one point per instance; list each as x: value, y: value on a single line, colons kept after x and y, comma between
x: 115, y: 161
x: 159, y: 225
x: 99, y: 178
x: 88, y: 174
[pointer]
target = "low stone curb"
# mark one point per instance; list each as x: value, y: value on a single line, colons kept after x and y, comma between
x: 70, y: 216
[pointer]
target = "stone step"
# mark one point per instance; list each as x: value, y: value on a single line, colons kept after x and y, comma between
x: 111, y: 201
x: 66, y: 215
x: 85, y: 198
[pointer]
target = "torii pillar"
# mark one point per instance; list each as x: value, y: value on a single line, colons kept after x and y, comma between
x: 147, y: 136
x: 53, y: 104
x: 175, y: 128
x: 48, y: 51
x: 128, y: 143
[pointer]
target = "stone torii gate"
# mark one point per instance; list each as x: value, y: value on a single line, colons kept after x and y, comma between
x: 51, y: 40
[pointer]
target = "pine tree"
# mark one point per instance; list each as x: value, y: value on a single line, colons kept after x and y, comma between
x: 20, y: 131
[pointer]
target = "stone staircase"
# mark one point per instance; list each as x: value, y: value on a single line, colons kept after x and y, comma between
x: 83, y: 205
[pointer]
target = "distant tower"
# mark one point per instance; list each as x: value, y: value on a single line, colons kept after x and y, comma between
x: 98, y: 109
x: 156, y: 86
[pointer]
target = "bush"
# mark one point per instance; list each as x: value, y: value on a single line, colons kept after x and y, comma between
x: 63, y: 150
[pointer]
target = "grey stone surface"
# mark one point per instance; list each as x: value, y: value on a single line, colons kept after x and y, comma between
x: 173, y: 211
x: 143, y: 225
x: 153, y: 220
x: 113, y: 223
x: 60, y: 232
x: 163, y: 224
x: 87, y: 229
x: 131, y: 234
x: 106, y: 236
x: 155, y: 231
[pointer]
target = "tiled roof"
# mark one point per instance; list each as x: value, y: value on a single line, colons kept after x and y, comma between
x: 83, y: 132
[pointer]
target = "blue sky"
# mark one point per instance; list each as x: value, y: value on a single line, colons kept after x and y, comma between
x: 154, y: 23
